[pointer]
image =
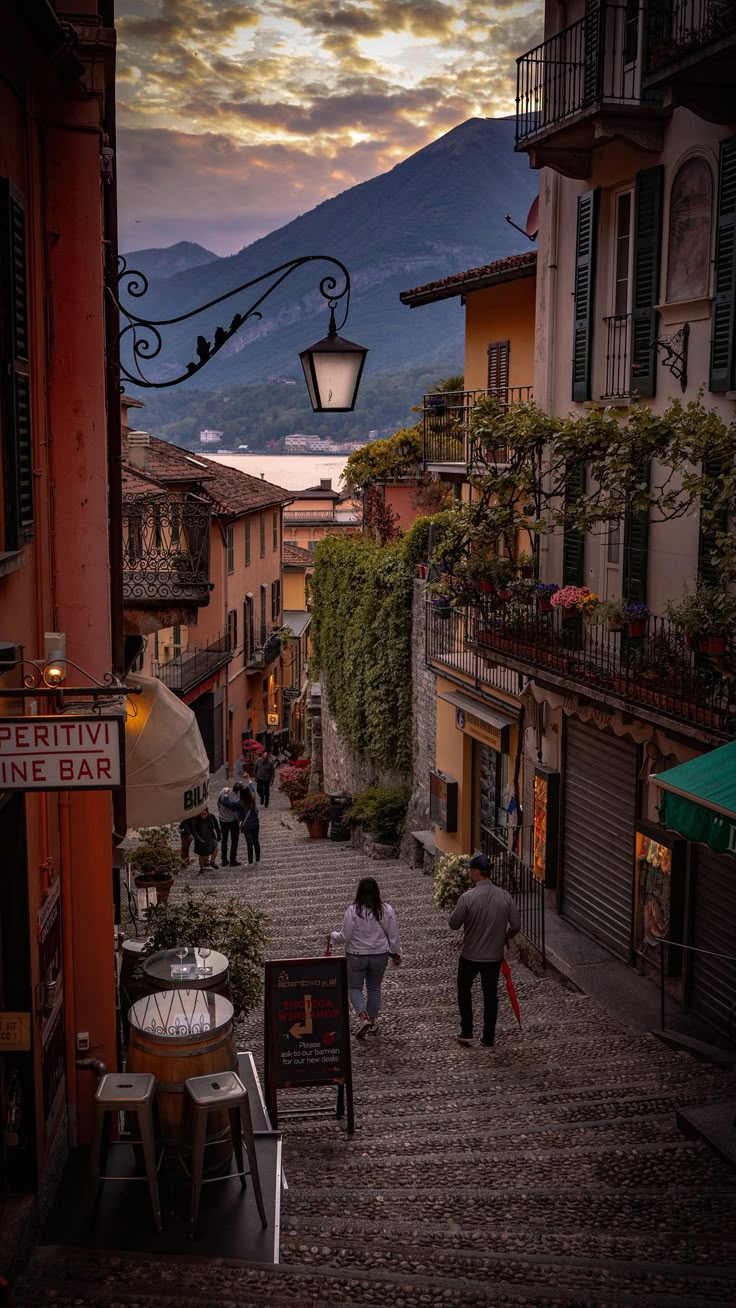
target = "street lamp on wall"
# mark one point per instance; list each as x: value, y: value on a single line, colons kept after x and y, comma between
x: 332, y: 367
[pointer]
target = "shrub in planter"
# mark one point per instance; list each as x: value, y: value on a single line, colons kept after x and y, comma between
x: 706, y: 616
x: 525, y: 564
x: 236, y: 929
x: 314, y: 811
x: 293, y: 782
x: 451, y: 879
x: 155, y: 860
x: 381, y: 811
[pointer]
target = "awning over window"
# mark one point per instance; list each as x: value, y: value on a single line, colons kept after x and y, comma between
x: 166, y: 764
x: 699, y: 799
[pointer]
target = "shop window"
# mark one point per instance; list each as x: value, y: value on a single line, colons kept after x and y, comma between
x: 688, y: 248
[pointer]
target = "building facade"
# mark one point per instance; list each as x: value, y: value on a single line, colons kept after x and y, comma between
x: 317, y: 512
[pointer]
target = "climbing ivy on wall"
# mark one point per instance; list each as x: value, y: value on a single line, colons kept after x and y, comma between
x: 361, y: 643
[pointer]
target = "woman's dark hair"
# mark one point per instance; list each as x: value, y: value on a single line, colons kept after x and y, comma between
x: 368, y: 898
x: 247, y: 798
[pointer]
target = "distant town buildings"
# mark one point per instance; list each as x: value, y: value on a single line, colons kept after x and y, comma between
x: 299, y: 444
x: 209, y: 437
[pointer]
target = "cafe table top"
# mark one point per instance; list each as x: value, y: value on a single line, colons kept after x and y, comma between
x: 180, y: 1014
x: 158, y: 968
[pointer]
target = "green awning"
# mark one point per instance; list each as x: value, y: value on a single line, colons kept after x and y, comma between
x: 699, y: 799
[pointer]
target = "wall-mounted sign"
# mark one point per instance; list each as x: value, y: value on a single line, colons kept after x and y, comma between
x: 546, y: 825
x: 307, y: 1028
x: 15, y: 1032
x: 443, y: 800
x: 61, y: 753
x: 479, y: 729
x: 273, y: 719
x: 660, y: 890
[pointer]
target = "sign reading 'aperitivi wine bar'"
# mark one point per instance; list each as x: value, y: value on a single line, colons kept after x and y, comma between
x: 61, y: 753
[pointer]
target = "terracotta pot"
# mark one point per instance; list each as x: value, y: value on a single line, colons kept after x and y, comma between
x: 569, y: 614
x: 485, y: 586
x: 545, y: 604
x: 162, y: 888
x: 712, y: 644
x: 527, y: 572
x: 504, y: 594
x: 317, y: 830
x: 636, y: 628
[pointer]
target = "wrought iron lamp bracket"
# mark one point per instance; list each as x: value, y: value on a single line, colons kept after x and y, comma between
x: 146, y: 335
x: 675, y: 349
x: 40, y: 683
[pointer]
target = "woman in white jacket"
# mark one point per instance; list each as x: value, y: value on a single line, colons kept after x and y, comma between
x: 370, y: 936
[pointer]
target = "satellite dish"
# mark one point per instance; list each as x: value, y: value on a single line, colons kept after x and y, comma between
x: 531, y: 226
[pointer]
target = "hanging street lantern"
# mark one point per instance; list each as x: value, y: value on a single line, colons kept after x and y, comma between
x: 332, y: 370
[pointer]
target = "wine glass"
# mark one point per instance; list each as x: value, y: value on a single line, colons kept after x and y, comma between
x: 181, y: 953
x: 204, y: 953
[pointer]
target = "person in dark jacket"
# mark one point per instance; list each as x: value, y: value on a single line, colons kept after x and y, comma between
x: 265, y: 773
x: 230, y: 814
x: 250, y: 826
x: 489, y: 918
x: 207, y: 836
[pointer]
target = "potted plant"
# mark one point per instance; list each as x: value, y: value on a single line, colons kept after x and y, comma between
x: 293, y: 782
x: 441, y: 606
x: 525, y: 564
x: 545, y: 590
x: 314, y: 811
x: 611, y: 613
x: 568, y: 600
x: 504, y: 573
x: 706, y: 615
x: 636, y: 617
x: 251, y: 751
x: 451, y: 879
x: 381, y: 810
x: 155, y: 861
x: 588, y: 605
x: 482, y: 574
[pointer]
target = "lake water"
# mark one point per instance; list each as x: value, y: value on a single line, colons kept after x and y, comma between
x: 292, y: 471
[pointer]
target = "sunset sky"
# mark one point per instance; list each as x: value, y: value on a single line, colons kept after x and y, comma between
x: 233, y: 118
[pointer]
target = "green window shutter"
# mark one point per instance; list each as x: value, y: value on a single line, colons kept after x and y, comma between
x: 14, y: 351
x: 713, y: 469
x: 573, y: 549
x: 724, y: 283
x: 636, y: 550
x: 593, y: 41
x: 582, y: 332
x: 498, y: 368
x: 647, y: 260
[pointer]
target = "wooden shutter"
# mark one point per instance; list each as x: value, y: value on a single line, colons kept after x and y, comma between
x: 16, y: 417
x: 498, y: 369
x: 593, y: 51
x: 584, y: 286
x: 636, y: 550
x: 647, y: 260
x: 724, y: 284
x: 573, y: 550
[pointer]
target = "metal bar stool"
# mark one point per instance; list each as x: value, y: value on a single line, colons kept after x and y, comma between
x: 126, y: 1092
x: 218, y: 1091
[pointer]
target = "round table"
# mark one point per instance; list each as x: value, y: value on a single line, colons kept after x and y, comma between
x: 176, y: 1034
x: 157, y: 972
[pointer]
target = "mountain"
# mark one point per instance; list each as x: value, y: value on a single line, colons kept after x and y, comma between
x: 438, y: 212
x: 169, y: 261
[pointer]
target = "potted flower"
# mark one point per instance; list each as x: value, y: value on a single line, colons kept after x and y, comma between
x: 636, y: 617
x: 451, y: 879
x: 568, y: 600
x: 504, y: 573
x: 293, y: 782
x: 545, y: 590
x: 525, y: 564
x: 482, y: 572
x: 314, y: 812
x: 155, y: 861
x: 251, y: 751
x: 588, y: 605
x: 611, y: 612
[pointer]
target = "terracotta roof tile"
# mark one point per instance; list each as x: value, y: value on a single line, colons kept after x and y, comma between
x: 295, y: 557
x: 473, y: 279
x: 230, y: 491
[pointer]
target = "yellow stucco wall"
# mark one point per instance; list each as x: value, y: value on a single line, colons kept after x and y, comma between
x: 500, y: 313
x: 294, y: 589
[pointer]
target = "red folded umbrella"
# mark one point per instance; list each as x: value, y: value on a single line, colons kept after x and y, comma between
x: 511, y: 991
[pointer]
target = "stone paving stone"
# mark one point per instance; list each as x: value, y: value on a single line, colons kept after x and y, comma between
x: 548, y: 1171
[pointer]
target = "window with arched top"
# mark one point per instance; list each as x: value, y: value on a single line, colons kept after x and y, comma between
x: 688, y: 253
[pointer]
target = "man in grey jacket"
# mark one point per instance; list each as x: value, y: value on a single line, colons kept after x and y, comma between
x: 489, y: 917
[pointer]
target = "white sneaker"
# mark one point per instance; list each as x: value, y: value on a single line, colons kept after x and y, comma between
x: 362, y: 1027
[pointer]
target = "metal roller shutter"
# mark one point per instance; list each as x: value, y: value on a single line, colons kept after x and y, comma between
x: 598, y: 849
x: 713, y: 980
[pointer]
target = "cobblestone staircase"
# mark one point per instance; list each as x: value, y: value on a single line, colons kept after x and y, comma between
x: 549, y: 1171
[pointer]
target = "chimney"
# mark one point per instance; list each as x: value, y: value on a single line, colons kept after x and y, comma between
x: 138, y: 446
x: 325, y: 483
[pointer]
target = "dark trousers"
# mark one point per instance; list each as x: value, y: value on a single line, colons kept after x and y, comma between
x: 467, y: 971
x: 253, y: 843
x: 231, y: 830
x: 264, y: 790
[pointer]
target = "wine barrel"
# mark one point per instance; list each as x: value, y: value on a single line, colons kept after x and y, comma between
x: 176, y: 1034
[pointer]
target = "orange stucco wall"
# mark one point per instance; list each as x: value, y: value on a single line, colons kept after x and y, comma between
x: 500, y: 313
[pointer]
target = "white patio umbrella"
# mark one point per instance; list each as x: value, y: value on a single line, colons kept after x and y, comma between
x: 166, y: 764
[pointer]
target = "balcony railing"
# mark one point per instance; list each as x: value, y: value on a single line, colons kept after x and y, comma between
x: 166, y: 551
x: 182, y: 673
x: 451, y: 642
x: 678, y: 28
x: 594, y: 61
x: 618, y: 357
x: 264, y: 654
x: 446, y: 425
x: 653, y: 671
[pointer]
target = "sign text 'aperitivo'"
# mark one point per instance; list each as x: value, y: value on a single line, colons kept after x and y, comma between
x: 61, y: 753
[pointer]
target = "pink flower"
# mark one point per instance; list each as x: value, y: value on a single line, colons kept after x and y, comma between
x: 569, y: 597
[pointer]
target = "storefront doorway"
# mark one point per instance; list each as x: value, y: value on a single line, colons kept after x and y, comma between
x: 489, y: 781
